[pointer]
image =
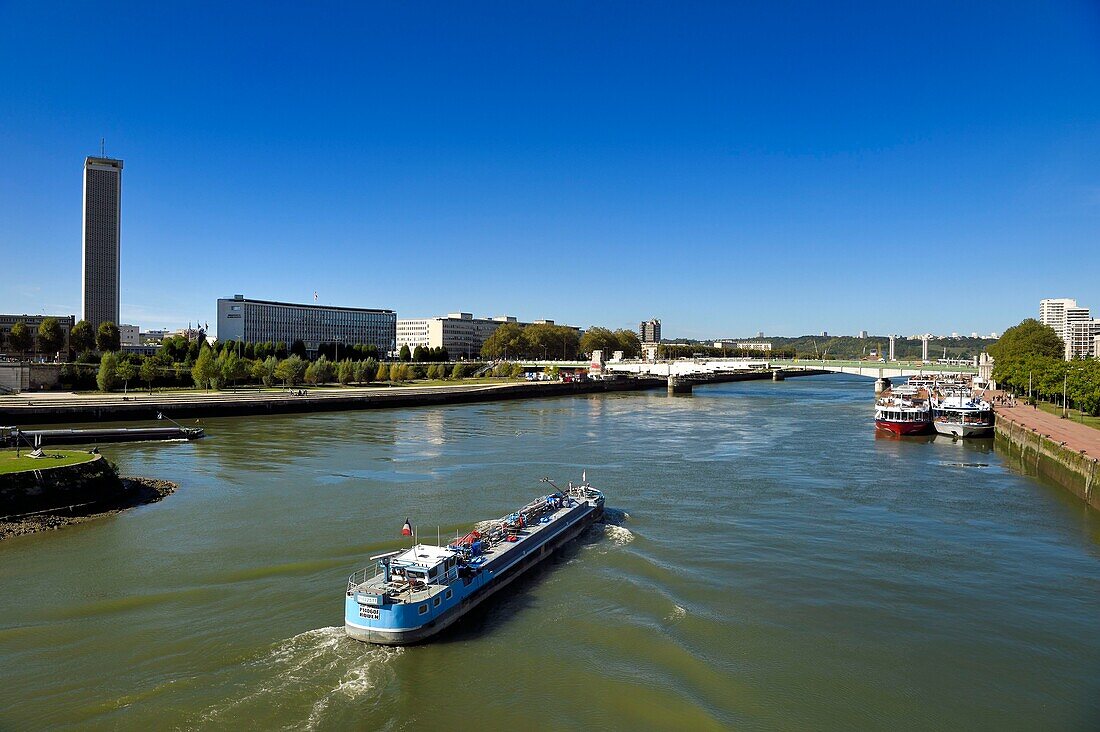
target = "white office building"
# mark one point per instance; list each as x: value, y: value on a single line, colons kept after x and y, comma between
x: 461, y: 334
x: 128, y: 335
x: 1073, y: 324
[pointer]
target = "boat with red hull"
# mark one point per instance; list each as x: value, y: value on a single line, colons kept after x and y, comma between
x: 904, y: 411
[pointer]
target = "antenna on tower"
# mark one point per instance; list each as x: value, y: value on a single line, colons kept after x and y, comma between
x: 102, y: 147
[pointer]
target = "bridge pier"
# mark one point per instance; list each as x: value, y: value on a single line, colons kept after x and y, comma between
x: 678, y: 385
x: 881, y: 384
x: 778, y: 375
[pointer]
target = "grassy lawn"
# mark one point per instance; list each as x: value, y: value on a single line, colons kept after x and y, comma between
x: 1075, y: 415
x: 9, y: 463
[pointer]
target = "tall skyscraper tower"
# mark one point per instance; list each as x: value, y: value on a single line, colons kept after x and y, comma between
x: 100, y: 261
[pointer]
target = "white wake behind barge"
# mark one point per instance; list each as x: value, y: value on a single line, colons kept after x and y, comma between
x: 410, y: 595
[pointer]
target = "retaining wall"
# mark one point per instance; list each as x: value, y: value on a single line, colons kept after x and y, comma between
x: 48, y: 488
x: 1039, y: 455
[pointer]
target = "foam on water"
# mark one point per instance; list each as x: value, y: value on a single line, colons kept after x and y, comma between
x: 677, y: 613
x: 619, y: 535
x: 319, y: 667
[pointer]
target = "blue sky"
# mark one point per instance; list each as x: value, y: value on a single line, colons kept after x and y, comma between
x: 726, y: 167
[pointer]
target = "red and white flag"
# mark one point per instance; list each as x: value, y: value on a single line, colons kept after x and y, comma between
x: 407, y: 529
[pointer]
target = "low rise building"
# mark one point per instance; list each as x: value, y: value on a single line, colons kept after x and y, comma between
x: 128, y: 335
x: 258, y: 321
x: 7, y: 322
x: 461, y: 334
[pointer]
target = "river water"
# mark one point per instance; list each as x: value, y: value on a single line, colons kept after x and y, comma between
x: 768, y: 563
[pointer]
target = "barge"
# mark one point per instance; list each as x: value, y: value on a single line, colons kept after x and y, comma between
x: 409, y: 595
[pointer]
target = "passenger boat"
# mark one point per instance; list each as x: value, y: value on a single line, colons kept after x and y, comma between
x: 903, y: 410
x: 409, y: 595
x: 960, y: 414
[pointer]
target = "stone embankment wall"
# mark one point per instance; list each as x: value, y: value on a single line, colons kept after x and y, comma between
x: 1040, y: 455
x: 70, y: 485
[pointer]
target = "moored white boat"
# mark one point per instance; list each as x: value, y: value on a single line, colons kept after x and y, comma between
x: 962, y: 415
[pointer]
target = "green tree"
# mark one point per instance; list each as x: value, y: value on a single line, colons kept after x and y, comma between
x: 1028, y: 338
x: 233, y: 368
x: 370, y: 370
x: 205, y: 370
x: 599, y: 339
x: 345, y: 372
x: 404, y: 354
x: 298, y: 348
x: 107, y: 337
x: 107, y: 378
x: 506, y: 341
x: 50, y: 336
x: 420, y: 354
x: 518, y: 371
x: 20, y: 338
x: 311, y: 374
x: 264, y: 371
x: 325, y: 370
x: 127, y: 370
x: 149, y: 372
x: 459, y: 371
x: 81, y: 337
x: 629, y: 343
x: 383, y: 372
x: 291, y: 370
x: 280, y: 350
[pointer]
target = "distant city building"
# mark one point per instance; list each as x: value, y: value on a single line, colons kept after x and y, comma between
x: 650, y: 331
x: 1081, y: 339
x: 893, y: 339
x: 101, y: 227
x: 32, y: 322
x: 824, y: 334
x: 128, y: 335
x: 461, y: 334
x: 743, y: 345
x: 141, y: 349
x: 759, y: 334
x: 863, y: 334
x: 1073, y: 324
x: 257, y: 321
x: 153, y: 336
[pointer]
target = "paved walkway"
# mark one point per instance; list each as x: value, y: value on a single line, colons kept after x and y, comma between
x: 1077, y: 436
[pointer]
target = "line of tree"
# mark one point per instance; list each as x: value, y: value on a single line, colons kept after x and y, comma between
x: 420, y: 354
x: 1032, y: 356
x: 551, y: 342
x: 214, y: 368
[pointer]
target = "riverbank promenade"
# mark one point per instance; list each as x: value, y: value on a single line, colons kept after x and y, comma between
x: 1075, y: 436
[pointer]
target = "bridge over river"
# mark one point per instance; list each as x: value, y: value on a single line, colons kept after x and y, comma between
x: 702, y: 368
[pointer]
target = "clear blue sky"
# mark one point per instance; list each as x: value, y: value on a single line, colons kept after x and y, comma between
x: 727, y: 167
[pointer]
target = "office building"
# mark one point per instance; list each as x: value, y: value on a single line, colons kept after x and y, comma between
x: 1073, y: 324
x: 258, y: 321
x: 129, y: 335
x: 1081, y: 339
x: 460, y: 333
x: 101, y: 228
x: 650, y: 331
x: 863, y: 334
x: 32, y: 322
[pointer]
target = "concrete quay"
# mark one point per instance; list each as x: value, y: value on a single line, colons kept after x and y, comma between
x: 54, y: 407
x: 1060, y: 450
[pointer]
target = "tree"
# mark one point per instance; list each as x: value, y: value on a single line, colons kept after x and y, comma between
x: 518, y: 371
x: 628, y: 342
x: 404, y: 353
x: 298, y: 348
x: 232, y: 368
x: 459, y: 370
x: 50, y: 336
x: 325, y: 371
x: 291, y: 370
x: 599, y: 339
x: 127, y: 370
x: 383, y: 373
x: 370, y: 370
x: 264, y: 371
x: 345, y: 372
x: 107, y: 377
x: 81, y: 337
x: 20, y: 338
x: 280, y: 350
x: 1028, y: 338
x: 419, y: 354
x: 107, y: 337
x: 205, y: 370
x: 507, y: 340
x: 149, y: 372
x: 311, y: 374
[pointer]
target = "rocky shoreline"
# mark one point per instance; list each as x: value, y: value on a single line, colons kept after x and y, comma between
x: 137, y: 491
